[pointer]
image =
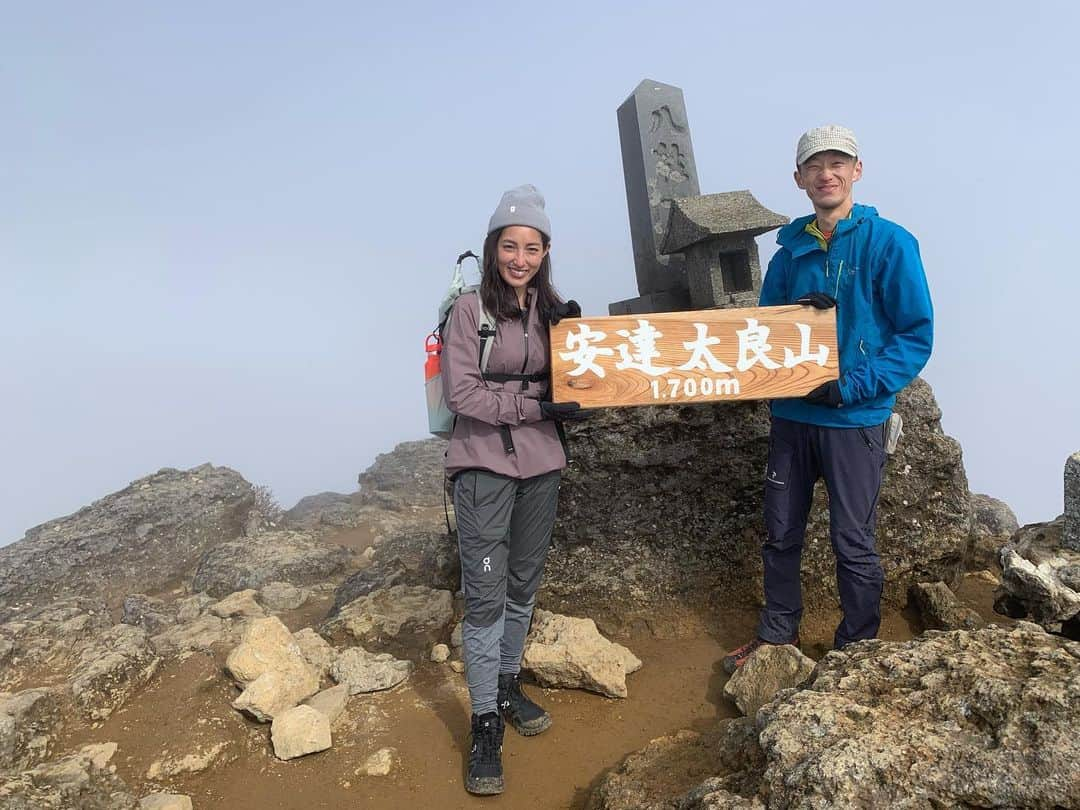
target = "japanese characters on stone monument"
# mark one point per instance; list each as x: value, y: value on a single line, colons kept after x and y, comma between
x: 658, y: 165
x: 690, y: 251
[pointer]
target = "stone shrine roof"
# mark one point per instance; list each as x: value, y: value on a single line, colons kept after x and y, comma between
x: 693, y: 219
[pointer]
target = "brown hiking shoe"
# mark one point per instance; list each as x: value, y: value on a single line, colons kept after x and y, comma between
x: 737, y: 657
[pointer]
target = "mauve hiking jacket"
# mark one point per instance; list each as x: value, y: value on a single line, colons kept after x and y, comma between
x: 521, y: 346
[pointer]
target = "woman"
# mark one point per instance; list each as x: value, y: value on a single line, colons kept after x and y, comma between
x: 505, y: 458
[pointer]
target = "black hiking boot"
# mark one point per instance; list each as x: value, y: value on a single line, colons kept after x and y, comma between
x: 518, y: 710
x: 737, y: 657
x: 485, y: 757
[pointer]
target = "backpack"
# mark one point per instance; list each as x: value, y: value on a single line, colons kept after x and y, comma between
x: 440, y: 417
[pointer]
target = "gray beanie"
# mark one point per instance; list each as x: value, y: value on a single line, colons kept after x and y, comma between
x: 523, y: 205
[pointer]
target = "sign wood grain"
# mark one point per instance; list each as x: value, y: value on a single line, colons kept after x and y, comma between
x: 700, y: 356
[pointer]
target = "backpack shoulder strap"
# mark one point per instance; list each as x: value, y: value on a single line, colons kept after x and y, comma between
x: 486, y: 331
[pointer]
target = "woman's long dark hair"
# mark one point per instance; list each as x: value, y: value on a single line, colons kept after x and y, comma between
x: 499, y: 297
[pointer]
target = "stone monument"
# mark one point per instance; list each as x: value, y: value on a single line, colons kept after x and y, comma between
x: 721, y: 268
x: 1071, y: 537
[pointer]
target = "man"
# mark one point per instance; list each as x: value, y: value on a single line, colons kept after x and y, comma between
x: 845, y: 256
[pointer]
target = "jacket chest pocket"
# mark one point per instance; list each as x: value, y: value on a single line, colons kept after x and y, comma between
x: 840, y: 275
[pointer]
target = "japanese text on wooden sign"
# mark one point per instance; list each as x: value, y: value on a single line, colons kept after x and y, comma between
x: 684, y: 357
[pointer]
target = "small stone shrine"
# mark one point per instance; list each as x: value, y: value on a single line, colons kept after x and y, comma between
x: 715, y: 233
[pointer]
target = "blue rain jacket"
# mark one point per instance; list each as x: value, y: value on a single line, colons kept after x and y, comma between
x: 884, y: 318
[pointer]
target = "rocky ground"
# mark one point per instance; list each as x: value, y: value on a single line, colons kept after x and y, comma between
x: 184, y: 642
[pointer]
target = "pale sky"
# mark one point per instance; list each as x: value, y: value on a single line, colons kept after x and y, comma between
x: 225, y: 227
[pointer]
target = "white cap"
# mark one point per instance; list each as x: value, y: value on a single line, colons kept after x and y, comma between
x: 829, y: 138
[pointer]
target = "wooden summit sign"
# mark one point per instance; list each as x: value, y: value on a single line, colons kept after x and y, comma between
x: 684, y: 357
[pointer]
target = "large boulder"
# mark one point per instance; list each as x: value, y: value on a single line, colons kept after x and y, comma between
x: 663, y: 507
x: 137, y: 539
x: 1040, y: 577
x: 300, y: 730
x: 568, y: 652
x: 771, y: 668
x: 279, y: 556
x: 271, y: 667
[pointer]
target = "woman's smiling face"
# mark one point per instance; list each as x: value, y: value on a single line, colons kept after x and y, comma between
x: 519, y: 254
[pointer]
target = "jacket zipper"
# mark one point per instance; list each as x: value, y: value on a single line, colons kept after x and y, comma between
x: 525, y: 362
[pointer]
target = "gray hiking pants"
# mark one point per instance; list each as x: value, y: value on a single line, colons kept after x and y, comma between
x: 504, y: 531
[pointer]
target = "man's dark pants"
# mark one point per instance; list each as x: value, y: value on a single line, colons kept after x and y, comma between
x: 852, y: 461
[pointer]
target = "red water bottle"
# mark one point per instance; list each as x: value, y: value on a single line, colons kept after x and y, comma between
x: 433, y: 347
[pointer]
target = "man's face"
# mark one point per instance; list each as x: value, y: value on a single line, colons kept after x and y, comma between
x: 827, y: 178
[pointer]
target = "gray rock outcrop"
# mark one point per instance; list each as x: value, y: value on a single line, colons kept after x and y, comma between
x: 727, y: 757
x: 410, y: 476
x: 1040, y: 578
x: 403, y: 616
x: 277, y: 556
x: 663, y: 506
x: 137, y: 539
x: 46, y: 636
x: 428, y: 558
x: 327, y: 510
x: 111, y: 669
x: 941, y: 609
x: 197, y: 635
x: 982, y: 718
x: 28, y: 719
x: 83, y: 780
x: 992, y: 524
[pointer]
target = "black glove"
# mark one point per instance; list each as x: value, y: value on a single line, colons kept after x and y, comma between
x: 571, y: 309
x: 827, y: 394
x: 818, y: 300
x: 563, y: 411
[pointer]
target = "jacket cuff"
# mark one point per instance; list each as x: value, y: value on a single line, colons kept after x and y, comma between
x: 529, y: 410
x: 846, y: 391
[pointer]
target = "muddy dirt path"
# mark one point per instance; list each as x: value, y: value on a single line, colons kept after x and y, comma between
x: 186, y: 711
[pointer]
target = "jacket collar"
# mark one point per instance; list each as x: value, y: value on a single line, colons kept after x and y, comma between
x: 794, y: 237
